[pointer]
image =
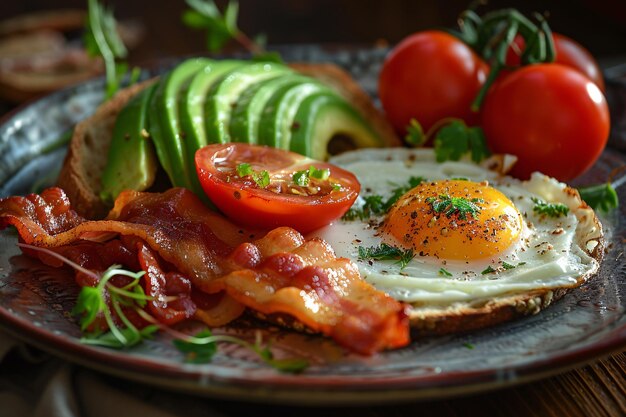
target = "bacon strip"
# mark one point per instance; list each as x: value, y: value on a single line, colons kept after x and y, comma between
x: 278, y: 273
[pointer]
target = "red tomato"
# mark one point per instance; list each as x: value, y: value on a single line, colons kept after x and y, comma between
x: 551, y: 116
x: 568, y: 52
x: 282, y: 202
x: 429, y: 76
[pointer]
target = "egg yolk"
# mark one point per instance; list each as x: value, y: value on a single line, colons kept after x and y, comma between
x: 453, y: 219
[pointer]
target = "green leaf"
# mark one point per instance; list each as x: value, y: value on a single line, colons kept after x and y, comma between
x: 301, y: 178
x: 197, y: 350
x: 459, y: 206
x: 451, y: 142
x: 387, y: 252
x: 268, y: 56
x: 488, y: 270
x: 600, y: 197
x: 219, y: 28
x: 456, y: 139
x: 477, y: 144
x: 443, y: 272
x: 89, y: 304
x: 130, y: 337
x: 102, y: 39
x: 549, y: 209
x: 415, y: 134
x: 244, y: 169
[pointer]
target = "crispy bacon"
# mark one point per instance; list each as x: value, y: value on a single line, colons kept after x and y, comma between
x: 278, y: 273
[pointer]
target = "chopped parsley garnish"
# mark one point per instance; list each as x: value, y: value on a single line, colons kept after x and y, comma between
x: 549, y: 209
x: 398, y: 192
x: 506, y: 265
x: 262, y: 179
x: 201, y: 348
x: 460, y: 206
x: 374, y: 205
x: 387, y: 252
x: 469, y: 345
x: 303, y: 178
x: 488, y: 270
x: 444, y: 273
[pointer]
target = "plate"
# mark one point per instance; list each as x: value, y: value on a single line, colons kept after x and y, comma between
x: 35, y: 300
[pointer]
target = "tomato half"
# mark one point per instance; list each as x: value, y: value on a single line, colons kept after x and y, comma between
x: 568, y: 52
x: 265, y: 194
x: 553, y: 118
x: 429, y: 76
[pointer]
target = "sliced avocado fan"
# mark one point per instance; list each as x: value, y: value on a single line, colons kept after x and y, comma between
x: 203, y: 101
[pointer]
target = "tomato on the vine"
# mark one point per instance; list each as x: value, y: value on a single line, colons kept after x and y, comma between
x: 429, y: 76
x: 266, y: 187
x: 553, y: 118
x: 568, y: 52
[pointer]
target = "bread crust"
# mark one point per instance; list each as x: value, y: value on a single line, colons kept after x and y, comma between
x: 86, y: 155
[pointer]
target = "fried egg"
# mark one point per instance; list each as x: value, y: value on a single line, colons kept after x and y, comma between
x: 465, y: 232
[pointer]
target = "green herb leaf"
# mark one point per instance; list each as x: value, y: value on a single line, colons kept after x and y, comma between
x: 444, y: 272
x: 374, y: 205
x: 488, y: 270
x: 219, y: 28
x: 196, y: 349
x: 398, y: 192
x: 387, y: 252
x: 262, y: 179
x: 244, y: 169
x: 468, y: 345
x: 549, y: 209
x: 102, y: 39
x: 459, y: 206
x: 506, y: 265
x: 415, y: 134
x: 89, y: 304
x: 319, y: 174
x: 202, y: 347
x: 600, y: 197
x: 301, y: 178
x: 456, y: 139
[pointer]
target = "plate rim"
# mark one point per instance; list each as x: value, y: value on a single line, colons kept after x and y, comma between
x: 408, y: 390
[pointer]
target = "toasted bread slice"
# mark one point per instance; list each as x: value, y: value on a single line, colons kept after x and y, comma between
x: 84, y: 163
x: 83, y: 166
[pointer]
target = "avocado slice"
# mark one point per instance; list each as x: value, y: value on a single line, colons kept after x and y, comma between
x: 164, y: 122
x: 245, y: 117
x: 192, y: 102
x: 224, y: 94
x: 279, y: 111
x: 322, y: 117
x: 131, y: 162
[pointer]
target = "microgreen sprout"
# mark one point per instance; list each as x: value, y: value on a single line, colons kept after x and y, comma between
x: 105, y: 299
x: 102, y: 39
x: 221, y: 27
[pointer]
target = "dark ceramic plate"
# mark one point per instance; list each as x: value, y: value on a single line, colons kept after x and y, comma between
x: 35, y: 300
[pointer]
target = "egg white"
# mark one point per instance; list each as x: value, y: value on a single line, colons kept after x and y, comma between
x: 551, y: 252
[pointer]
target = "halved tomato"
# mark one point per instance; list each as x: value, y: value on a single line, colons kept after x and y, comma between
x: 265, y: 187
